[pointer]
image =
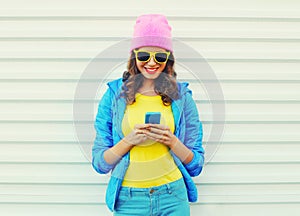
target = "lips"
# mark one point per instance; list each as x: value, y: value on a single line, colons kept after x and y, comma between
x: 151, y: 70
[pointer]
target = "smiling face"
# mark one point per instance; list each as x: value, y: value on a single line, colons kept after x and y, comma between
x: 151, y: 69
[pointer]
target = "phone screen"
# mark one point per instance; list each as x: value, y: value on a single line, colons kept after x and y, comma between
x: 152, y: 117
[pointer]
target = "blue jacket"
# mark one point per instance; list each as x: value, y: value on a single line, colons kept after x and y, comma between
x: 188, y: 129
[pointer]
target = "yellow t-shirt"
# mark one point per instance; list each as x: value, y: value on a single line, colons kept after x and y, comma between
x: 151, y: 163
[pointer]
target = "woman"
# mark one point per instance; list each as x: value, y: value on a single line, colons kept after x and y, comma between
x: 151, y: 163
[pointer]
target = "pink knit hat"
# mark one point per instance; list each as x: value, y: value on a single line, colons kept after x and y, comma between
x: 152, y: 30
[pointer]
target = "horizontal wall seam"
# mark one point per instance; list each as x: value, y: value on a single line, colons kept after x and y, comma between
x: 133, y: 18
x: 91, y: 80
x: 105, y: 183
x: 26, y: 142
x: 96, y: 101
x: 92, y: 122
x: 118, y: 60
x: 280, y: 202
x: 118, y: 39
x: 87, y: 163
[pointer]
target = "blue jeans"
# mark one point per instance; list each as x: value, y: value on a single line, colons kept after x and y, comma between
x: 166, y: 200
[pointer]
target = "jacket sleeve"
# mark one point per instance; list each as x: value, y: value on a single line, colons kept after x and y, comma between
x: 193, y: 136
x: 104, y: 137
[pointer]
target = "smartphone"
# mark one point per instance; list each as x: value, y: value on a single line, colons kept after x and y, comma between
x: 152, y: 118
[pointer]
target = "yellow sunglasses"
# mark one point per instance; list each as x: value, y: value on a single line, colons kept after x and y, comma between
x: 144, y: 56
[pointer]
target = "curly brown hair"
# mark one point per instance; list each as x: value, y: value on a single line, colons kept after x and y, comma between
x: 165, y: 85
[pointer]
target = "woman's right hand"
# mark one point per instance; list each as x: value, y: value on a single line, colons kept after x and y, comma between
x: 137, y: 136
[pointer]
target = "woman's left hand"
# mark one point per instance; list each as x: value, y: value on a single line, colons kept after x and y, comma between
x: 161, y: 133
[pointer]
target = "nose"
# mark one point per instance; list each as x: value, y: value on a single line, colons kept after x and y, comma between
x: 151, y: 61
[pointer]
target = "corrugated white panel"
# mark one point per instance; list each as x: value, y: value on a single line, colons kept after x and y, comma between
x: 71, y: 71
x: 35, y: 90
x: 96, y: 209
x: 210, y: 50
x: 188, y: 8
x: 235, y: 132
x: 213, y: 173
x: 229, y: 152
x: 124, y: 28
x: 252, y: 47
x: 235, y: 112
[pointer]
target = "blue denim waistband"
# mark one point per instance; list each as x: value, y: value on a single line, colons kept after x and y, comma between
x: 166, y: 188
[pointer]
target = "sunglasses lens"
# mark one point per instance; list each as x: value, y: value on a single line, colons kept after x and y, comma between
x: 143, y: 56
x: 161, y: 57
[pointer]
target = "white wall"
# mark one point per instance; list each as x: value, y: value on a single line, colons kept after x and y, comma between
x: 253, y: 48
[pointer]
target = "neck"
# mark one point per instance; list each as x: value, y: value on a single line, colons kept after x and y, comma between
x: 148, y: 87
x: 148, y: 84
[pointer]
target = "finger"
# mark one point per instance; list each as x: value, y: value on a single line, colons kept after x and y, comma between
x: 160, y: 126
x: 156, y: 130
x: 156, y: 137
x: 141, y: 126
x: 164, y: 139
x: 139, y: 131
x: 160, y: 132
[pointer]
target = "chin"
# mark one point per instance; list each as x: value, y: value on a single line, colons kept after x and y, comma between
x: 151, y: 76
